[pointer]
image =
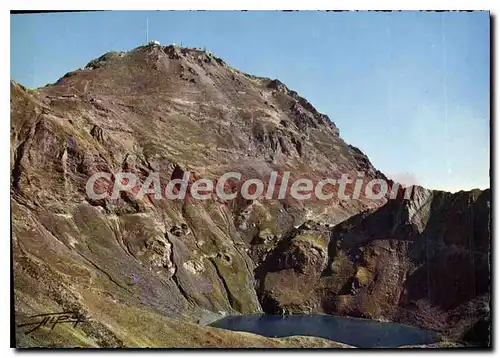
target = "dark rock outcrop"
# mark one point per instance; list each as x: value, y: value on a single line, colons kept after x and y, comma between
x: 424, y: 262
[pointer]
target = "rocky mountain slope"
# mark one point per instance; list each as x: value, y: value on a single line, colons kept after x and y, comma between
x: 151, y: 272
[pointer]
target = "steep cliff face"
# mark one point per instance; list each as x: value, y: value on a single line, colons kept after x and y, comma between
x: 125, y: 262
x: 423, y: 262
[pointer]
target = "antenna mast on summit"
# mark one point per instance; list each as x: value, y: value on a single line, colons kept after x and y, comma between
x: 147, y: 31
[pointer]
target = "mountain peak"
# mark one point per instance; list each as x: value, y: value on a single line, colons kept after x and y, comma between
x: 172, y: 111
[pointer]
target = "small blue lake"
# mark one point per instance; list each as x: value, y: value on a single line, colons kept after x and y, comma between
x: 362, y: 333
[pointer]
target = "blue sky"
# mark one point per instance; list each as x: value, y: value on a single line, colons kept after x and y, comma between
x: 410, y: 89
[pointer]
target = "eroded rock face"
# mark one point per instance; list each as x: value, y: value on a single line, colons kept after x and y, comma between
x: 172, y: 110
x: 420, y: 262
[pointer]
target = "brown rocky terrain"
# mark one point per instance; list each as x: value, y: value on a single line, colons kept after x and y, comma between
x: 423, y: 262
x: 152, y: 272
